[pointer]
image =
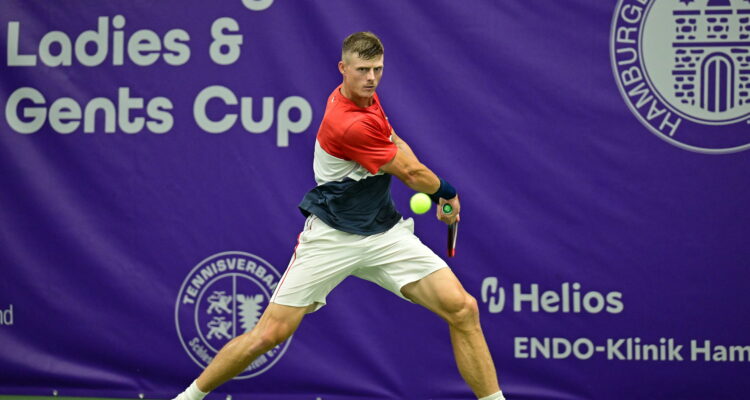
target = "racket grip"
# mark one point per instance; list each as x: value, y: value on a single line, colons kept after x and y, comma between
x: 452, y: 236
x: 452, y: 231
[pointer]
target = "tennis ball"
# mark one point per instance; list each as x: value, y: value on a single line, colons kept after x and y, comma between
x: 420, y: 203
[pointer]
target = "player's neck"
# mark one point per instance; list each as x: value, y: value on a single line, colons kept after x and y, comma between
x: 363, y: 102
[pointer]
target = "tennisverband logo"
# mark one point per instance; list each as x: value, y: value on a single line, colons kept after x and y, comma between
x: 683, y: 67
x: 221, y: 298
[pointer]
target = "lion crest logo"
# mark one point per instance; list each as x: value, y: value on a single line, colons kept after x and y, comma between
x: 221, y: 298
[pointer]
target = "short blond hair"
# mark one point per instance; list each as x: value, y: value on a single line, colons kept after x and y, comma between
x: 365, y: 44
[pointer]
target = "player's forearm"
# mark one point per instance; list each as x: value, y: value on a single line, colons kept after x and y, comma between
x: 413, y: 173
x: 421, y: 179
x: 406, y: 167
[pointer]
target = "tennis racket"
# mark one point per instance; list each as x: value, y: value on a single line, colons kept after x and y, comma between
x: 452, y: 231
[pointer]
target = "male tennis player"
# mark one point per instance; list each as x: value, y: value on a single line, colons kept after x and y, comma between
x: 353, y: 228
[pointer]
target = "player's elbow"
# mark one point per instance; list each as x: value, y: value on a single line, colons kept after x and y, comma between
x: 413, y: 175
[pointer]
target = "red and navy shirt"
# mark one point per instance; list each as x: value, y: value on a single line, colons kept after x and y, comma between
x: 352, y: 144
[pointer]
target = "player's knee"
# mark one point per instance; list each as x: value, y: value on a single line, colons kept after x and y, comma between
x: 264, y: 341
x: 463, y: 311
x: 279, y: 333
x: 268, y: 337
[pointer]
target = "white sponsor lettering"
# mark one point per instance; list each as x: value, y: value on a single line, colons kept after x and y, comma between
x: 65, y: 114
x: 92, y: 48
x: 570, y: 298
x: 626, y: 349
x: 284, y: 123
x: 705, y: 351
x: 6, y: 316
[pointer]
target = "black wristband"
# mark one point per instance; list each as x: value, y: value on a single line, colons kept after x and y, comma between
x: 445, y: 191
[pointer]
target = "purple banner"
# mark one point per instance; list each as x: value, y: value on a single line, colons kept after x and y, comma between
x: 152, y: 156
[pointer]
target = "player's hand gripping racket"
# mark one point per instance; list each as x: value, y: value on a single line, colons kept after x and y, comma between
x: 452, y: 231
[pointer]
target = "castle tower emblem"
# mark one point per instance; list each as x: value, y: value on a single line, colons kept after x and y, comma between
x: 712, y: 57
x: 683, y: 67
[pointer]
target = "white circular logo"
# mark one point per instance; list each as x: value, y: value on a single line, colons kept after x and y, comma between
x: 223, y: 297
x: 683, y: 67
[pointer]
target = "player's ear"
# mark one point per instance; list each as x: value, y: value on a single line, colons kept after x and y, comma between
x: 341, y: 67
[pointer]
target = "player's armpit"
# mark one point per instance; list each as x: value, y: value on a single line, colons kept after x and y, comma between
x: 413, y: 173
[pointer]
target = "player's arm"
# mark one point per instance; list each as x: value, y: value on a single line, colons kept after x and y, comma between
x: 407, y: 168
x: 401, y: 144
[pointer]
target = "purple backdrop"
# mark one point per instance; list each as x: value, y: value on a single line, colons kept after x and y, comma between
x: 153, y: 153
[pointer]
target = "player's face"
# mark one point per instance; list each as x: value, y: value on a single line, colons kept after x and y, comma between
x: 361, y: 77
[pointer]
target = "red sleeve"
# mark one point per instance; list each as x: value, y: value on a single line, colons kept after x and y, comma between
x: 365, y: 143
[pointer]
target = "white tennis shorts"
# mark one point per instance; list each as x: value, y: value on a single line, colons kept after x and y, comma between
x: 325, y: 256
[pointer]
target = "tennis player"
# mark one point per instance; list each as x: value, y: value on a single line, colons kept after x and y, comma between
x: 353, y: 228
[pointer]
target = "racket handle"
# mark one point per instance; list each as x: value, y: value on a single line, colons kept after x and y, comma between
x: 452, y: 235
x: 452, y: 231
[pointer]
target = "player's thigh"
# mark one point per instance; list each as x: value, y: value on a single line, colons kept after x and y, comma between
x: 398, y: 258
x: 441, y: 292
x: 324, y: 257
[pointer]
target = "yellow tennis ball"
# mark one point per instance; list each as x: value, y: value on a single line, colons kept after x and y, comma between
x: 420, y: 203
